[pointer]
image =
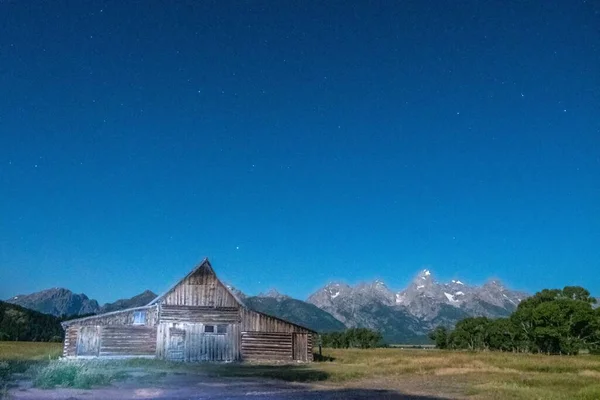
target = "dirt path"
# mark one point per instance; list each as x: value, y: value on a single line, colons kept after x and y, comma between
x: 179, y: 387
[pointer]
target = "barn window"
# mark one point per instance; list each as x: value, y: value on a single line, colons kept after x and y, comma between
x: 221, y: 328
x: 139, y: 318
x: 209, y: 328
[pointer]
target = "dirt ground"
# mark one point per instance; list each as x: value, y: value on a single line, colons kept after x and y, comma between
x: 183, y: 386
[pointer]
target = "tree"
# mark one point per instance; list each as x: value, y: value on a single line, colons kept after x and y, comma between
x: 553, y: 321
x: 361, y: 338
x: 471, y: 333
x: 502, y: 335
x: 440, y: 336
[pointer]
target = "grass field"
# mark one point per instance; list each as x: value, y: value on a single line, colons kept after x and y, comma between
x: 29, y: 351
x: 428, y: 372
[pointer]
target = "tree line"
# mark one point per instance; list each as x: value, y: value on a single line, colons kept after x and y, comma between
x: 553, y: 321
x: 19, y: 323
x: 360, y: 338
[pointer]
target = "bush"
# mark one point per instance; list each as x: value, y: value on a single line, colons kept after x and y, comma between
x: 73, y: 375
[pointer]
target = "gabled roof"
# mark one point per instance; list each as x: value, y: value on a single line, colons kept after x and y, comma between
x: 203, y: 264
x: 71, y: 321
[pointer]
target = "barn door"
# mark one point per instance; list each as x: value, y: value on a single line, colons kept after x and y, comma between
x: 300, y: 346
x: 176, y: 344
x: 88, y: 341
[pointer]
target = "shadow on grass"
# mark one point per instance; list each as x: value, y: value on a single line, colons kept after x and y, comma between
x: 322, y: 358
x: 359, y: 394
x: 284, y: 372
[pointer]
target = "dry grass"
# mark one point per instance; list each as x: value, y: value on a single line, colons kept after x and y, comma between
x: 427, y: 372
x: 472, y: 375
x: 29, y: 351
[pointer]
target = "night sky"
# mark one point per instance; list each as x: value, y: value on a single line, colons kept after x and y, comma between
x: 298, y: 142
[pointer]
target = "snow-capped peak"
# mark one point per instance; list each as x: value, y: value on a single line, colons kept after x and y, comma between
x: 424, y: 275
x: 334, y: 295
x: 450, y: 297
x: 457, y: 282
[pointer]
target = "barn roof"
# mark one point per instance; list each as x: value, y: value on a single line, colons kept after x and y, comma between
x: 71, y: 321
x: 203, y: 264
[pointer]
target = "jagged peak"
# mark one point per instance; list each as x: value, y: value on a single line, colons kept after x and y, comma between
x: 424, y: 276
x: 273, y: 293
x: 494, y: 283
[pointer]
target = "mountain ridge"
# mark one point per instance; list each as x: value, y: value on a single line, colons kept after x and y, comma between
x: 63, y: 302
x: 402, y: 316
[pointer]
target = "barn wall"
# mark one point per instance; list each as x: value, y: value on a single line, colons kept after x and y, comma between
x: 112, y: 334
x: 127, y: 341
x: 271, y: 346
x: 221, y: 315
x: 70, y: 343
x: 189, y: 342
x: 202, y: 288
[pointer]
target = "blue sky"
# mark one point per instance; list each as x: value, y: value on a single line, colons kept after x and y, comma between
x: 297, y: 143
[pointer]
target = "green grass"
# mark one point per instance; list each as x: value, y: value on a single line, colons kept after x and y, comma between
x: 484, y: 375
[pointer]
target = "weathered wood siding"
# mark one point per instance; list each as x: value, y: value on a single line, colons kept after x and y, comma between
x: 220, y: 315
x: 300, y: 346
x: 70, y: 343
x: 253, y: 321
x: 88, y: 341
x: 202, y: 288
x: 112, y: 334
x: 127, y: 341
x: 276, y: 346
x: 189, y: 342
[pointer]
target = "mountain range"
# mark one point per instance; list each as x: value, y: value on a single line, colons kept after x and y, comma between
x: 404, y: 316
x: 408, y: 315
x: 63, y: 302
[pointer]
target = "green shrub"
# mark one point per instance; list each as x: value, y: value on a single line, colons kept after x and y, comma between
x: 79, y: 375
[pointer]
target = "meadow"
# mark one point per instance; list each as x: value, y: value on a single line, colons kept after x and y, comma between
x: 447, y: 374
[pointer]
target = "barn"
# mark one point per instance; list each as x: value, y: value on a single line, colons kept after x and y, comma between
x: 197, y: 319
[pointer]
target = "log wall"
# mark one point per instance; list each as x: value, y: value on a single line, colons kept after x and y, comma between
x: 271, y: 346
x: 70, y: 343
x: 127, y: 341
x: 221, y: 315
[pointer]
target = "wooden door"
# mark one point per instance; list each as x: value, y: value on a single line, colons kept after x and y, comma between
x: 88, y: 341
x: 176, y: 344
x: 300, y: 346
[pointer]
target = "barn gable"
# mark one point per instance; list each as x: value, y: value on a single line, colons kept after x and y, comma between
x: 199, y: 288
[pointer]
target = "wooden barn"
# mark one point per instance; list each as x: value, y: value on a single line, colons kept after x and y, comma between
x: 198, y: 319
